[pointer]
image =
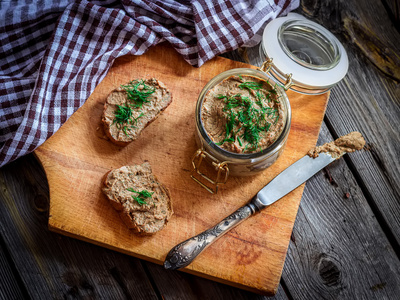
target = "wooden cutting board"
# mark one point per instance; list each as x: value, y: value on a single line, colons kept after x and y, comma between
x: 252, y: 255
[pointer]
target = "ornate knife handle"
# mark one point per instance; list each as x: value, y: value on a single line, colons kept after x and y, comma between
x: 184, y: 253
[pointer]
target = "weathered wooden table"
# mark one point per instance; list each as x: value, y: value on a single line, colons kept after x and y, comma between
x: 346, y: 239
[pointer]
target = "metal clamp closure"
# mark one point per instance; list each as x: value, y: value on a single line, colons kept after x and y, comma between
x: 288, y: 82
x: 221, y: 168
x: 267, y: 66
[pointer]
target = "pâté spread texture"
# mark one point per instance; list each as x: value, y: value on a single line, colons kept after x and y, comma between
x: 243, y: 114
x: 132, y: 107
x: 345, y: 144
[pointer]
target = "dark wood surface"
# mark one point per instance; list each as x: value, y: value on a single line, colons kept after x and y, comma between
x: 346, y: 239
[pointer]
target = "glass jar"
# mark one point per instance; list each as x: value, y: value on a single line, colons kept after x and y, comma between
x: 302, y: 55
x: 227, y: 163
x: 298, y: 54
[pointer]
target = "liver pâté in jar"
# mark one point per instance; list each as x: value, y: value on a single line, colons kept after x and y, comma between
x: 242, y: 122
x: 242, y: 114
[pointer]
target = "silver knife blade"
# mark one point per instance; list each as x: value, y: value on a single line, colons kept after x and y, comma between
x: 184, y: 253
x: 293, y: 176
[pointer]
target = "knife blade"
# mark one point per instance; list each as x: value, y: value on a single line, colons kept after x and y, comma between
x: 184, y: 253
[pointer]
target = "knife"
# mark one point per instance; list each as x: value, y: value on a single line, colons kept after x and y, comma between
x: 184, y: 253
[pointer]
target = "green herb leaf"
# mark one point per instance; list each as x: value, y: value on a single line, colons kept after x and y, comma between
x: 122, y: 114
x: 240, y: 142
x: 123, y: 117
x: 138, y: 92
x: 245, y: 120
x: 251, y: 85
x: 142, y: 195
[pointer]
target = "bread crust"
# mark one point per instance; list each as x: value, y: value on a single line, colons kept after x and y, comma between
x: 145, y: 219
x: 158, y: 102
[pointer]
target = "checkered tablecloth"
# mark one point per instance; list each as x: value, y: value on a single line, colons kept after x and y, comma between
x: 54, y: 53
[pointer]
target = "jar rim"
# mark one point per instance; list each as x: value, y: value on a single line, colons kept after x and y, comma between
x: 236, y: 157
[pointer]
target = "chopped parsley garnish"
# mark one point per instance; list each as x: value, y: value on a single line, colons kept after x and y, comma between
x: 142, y: 195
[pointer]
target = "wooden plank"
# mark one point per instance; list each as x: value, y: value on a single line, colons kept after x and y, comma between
x: 365, y: 29
x: 178, y: 285
x: 77, y: 157
x: 392, y: 8
x: 10, y: 287
x: 319, y: 265
x: 338, y: 248
x: 371, y: 90
x: 70, y: 269
x: 53, y: 266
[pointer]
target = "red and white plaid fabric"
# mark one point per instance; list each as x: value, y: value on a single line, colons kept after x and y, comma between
x: 54, y: 53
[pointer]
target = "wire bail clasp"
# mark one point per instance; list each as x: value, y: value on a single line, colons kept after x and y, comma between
x: 266, y: 65
x: 221, y: 169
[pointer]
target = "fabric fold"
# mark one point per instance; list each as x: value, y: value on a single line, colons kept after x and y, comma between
x: 54, y: 54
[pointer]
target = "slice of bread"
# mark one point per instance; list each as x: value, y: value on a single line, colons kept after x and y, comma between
x: 142, y: 213
x: 132, y: 107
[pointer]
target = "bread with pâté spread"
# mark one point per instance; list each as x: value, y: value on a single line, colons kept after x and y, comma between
x: 132, y: 107
x: 143, y: 203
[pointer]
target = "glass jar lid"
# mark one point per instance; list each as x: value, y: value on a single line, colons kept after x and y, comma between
x: 303, y: 55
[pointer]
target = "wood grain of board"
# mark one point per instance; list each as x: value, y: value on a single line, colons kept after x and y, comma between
x: 76, y: 158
